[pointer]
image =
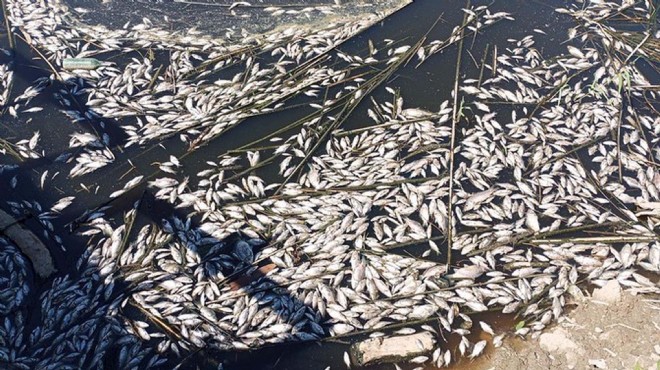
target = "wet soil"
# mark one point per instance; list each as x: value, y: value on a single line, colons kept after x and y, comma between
x: 619, y: 332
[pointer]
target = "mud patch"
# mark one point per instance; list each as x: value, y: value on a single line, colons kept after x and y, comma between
x: 621, y: 334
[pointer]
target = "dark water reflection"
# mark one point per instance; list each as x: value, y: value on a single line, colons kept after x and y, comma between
x: 426, y: 87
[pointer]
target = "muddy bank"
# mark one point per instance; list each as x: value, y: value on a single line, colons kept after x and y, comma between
x: 609, y: 330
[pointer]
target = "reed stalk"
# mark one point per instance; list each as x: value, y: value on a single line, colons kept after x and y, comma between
x: 385, y: 125
x: 5, y: 14
x: 599, y: 240
x: 349, y: 107
x: 452, y: 148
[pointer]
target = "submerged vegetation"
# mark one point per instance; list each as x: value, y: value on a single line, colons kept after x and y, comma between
x: 537, y: 175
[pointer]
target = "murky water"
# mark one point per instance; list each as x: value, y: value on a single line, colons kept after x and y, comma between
x: 427, y: 86
x: 218, y: 17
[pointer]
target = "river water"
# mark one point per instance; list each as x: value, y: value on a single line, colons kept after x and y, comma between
x: 425, y: 86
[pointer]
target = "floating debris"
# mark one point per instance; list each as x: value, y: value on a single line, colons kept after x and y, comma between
x: 30, y: 245
x: 392, y: 349
x: 81, y: 63
x: 531, y: 179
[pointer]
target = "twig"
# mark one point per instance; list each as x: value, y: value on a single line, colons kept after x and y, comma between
x: 129, y: 220
x: 598, y: 239
x: 566, y: 154
x: 636, y: 49
x: 452, y: 147
x: 624, y: 326
x: 305, y: 192
x: 527, y: 238
x: 409, y: 243
x: 153, y: 79
x: 386, y: 124
x: 160, y: 323
x: 7, y: 25
x: 349, y: 107
x: 587, y: 227
x: 43, y: 57
x: 9, y: 148
x: 483, y: 64
x: 618, y: 141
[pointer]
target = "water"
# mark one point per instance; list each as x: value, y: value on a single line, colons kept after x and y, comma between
x: 215, y: 16
x: 91, y: 191
x: 426, y: 87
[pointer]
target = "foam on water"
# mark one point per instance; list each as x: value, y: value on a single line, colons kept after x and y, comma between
x: 223, y: 18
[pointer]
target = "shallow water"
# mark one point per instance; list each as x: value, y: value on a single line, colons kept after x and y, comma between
x: 425, y: 87
x: 215, y: 16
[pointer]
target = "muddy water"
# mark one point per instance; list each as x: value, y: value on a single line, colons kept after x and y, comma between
x: 425, y: 87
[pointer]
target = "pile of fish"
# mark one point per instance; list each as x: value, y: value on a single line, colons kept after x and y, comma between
x: 79, y: 321
x: 16, y: 282
x: 537, y: 177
